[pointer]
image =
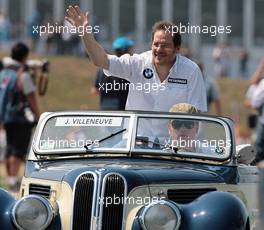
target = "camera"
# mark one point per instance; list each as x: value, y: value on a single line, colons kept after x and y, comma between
x: 32, y: 64
x: 38, y: 70
x: 44, y: 65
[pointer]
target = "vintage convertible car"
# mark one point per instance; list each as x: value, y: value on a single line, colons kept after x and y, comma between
x: 134, y: 170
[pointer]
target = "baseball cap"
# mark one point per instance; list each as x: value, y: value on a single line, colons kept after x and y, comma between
x: 183, y: 108
x: 122, y: 43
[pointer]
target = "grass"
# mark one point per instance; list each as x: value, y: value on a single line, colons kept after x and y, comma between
x: 232, y: 101
x: 69, y: 86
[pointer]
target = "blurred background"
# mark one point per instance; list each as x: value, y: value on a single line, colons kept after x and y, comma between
x: 72, y: 75
x: 134, y: 18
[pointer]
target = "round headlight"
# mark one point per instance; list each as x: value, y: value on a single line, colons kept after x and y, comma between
x: 32, y: 212
x: 161, y: 215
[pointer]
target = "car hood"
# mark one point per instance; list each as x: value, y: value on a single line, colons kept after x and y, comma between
x: 149, y: 171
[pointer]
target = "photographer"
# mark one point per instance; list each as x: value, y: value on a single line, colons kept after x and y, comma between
x: 19, y: 109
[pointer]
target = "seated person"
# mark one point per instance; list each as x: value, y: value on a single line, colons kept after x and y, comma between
x: 179, y: 130
x: 183, y: 132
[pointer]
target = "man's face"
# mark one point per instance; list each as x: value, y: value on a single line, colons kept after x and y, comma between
x: 182, y: 133
x: 163, y: 49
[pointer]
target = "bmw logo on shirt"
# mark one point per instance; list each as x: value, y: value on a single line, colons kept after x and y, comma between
x: 148, y: 73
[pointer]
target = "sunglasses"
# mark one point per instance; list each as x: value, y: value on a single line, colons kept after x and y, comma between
x: 176, y: 124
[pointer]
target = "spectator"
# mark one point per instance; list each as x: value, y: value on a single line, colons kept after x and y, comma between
x: 114, y: 98
x: 21, y: 104
x: 222, y: 58
x: 243, y: 62
x: 256, y: 101
x: 4, y: 28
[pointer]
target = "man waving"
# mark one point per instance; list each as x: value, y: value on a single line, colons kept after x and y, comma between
x: 169, y: 77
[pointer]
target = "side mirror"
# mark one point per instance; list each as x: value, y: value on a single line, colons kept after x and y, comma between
x: 245, y: 154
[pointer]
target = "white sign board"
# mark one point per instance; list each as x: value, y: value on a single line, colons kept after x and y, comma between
x: 88, y: 121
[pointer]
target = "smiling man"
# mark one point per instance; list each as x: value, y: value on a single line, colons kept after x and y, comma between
x: 172, y: 77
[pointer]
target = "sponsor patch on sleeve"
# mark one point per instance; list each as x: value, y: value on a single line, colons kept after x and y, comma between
x: 181, y: 81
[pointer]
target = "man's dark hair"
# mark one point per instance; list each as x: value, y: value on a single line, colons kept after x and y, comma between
x: 167, y: 27
x: 19, y: 51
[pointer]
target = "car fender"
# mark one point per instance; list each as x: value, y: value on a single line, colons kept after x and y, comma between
x: 215, y: 210
x: 6, y: 204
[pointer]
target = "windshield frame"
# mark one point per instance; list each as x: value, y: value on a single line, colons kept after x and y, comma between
x: 35, y: 153
x: 182, y: 155
x: 78, y: 151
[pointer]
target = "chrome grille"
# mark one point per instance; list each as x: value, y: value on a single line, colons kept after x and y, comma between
x: 41, y: 190
x: 83, y: 201
x: 114, y: 187
x: 184, y: 196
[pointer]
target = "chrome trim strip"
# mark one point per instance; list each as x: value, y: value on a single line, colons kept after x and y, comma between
x: 94, y: 196
x: 102, y: 195
x: 173, y: 206
x: 98, y: 198
x: 133, y: 126
x: 51, y: 212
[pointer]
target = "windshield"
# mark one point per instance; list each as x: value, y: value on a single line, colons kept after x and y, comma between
x: 83, y: 133
x: 160, y: 135
x: 188, y: 137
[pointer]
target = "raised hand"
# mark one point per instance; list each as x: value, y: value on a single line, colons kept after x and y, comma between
x: 76, y: 17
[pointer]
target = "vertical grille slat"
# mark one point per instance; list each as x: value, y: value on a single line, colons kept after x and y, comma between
x: 83, y: 202
x: 113, y: 213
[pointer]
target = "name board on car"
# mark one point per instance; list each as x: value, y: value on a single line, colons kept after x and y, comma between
x: 88, y: 121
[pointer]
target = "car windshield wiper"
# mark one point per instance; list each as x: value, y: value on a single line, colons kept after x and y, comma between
x: 103, y: 139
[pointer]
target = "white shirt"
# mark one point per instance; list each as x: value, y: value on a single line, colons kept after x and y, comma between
x: 146, y: 92
x: 28, y: 85
x: 257, y: 99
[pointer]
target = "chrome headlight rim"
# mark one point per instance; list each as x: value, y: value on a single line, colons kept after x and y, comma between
x: 40, y: 198
x: 172, y: 205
